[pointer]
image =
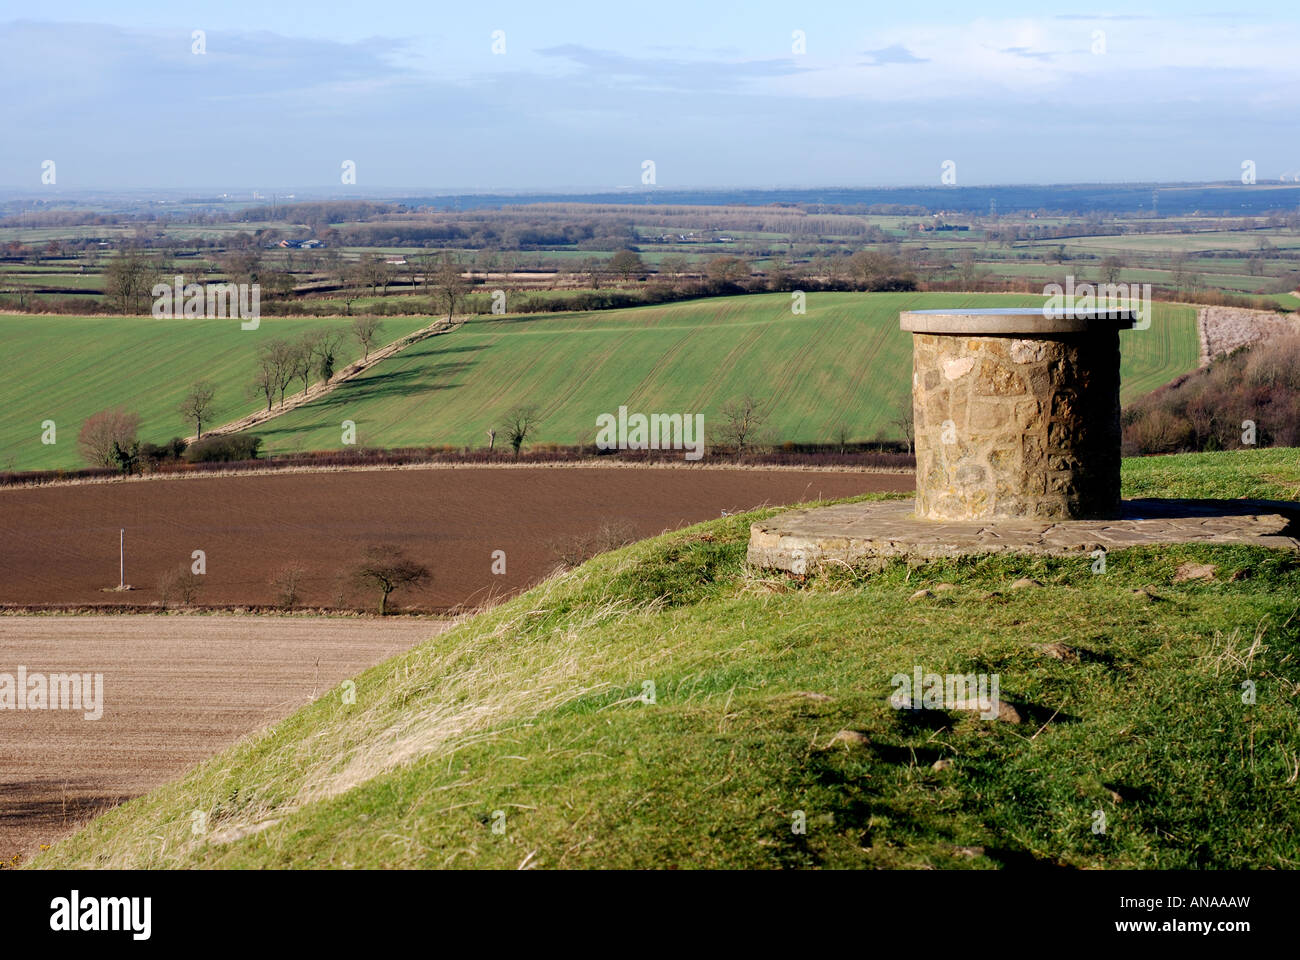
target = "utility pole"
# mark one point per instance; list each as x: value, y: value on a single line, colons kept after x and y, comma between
x: 121, y: 559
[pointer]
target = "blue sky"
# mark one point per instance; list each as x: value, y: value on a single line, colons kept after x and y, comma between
x: 716, y: 94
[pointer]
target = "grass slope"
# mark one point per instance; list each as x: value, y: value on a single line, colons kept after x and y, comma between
x: 843, y: 363
x: 66, y: 368
x: 534, y: 717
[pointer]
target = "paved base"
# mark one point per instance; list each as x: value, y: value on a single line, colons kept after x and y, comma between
x: 853, y: 532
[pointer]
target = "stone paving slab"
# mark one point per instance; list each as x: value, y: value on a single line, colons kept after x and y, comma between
x: 850, y: 532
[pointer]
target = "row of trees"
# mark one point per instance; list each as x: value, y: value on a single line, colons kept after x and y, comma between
x: 110, y: 438
x: 283, y: 360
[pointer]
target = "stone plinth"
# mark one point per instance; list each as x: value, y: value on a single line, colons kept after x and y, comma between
x: 851, y: 533
x: 1016, y: 413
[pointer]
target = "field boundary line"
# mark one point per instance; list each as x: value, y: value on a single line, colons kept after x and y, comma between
x: 435, y: 465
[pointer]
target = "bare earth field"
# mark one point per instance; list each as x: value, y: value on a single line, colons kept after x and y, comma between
x: 59, y: 544
x: 176, y: 690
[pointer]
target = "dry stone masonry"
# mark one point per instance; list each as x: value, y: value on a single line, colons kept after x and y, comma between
x: 1017, y: 413
x: 1017, y: 451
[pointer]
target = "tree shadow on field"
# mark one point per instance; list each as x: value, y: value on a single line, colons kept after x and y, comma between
x: 397, y: 383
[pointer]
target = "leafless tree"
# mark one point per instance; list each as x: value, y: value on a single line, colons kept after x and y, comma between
x: 727, y: 270
x: 627, y: 264
x: 384, y: 567
x: 303, y: 360
x: 842, y: 437
x: 904, y: 420
x: 276, y: 368
x: 742, y: 421
x: 179, y: 583
x: 288, y: 585
x: 579, y: 548
x: 520, y: 423
x: 673, y: 265
x: 366, y: 331
x: 128, y: 281
x: 449, y: 287
x: 197, y: 403
x: 105, y: 431
x: 326, y: 347
x: 264, y: 379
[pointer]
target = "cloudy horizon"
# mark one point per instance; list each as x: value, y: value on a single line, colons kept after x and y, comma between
x: 510, y: 98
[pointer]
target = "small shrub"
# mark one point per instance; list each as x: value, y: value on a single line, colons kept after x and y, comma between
x: 578, y: 549
x: 288, y: 584
x: 179, y: 584
x: 227, y: 448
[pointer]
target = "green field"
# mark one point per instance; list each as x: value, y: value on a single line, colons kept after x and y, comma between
x: 844, y: 362
x: 66, y: 368
x: 665, y: 706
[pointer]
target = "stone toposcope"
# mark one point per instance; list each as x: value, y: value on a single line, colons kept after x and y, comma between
x: 1016, y: 413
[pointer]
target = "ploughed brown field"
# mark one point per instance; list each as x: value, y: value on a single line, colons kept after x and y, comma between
x: 176, y: 689
x: 59, y: 544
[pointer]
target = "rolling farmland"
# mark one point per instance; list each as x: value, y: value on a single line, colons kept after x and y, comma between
x: 843, y: 363
x: 66, y: 368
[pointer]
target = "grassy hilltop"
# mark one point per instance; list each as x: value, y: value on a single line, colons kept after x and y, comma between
x: 534, y: 717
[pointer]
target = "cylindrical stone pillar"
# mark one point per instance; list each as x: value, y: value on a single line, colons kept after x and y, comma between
x: 1016, y: 413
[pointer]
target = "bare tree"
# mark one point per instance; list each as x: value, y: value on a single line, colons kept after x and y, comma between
x: 842, y: 437
x: 673, y: 265
x: 520, y: 423
x: 242, y: 267
x: 904, y: 420
x: 326, y: 352
x: 179, y: 583
x: 104, y: 432
x: 196, y: 405
x: 366, y: 331
x: 594, y: 268
x: 303, y: 358
x: 128, y: 281
x: 264, y: 380
x: 276, y: 368
x: 426, y: 263
x: 742, y: 421
x: 278, y: 284
x: 375, y: 272
x: 349, y: 278
x: 384, y: 567
x: 627, y: 264
x: 449, y: 287
x: 578, y: 549
x: 288, y: 585
x: 727, y: 270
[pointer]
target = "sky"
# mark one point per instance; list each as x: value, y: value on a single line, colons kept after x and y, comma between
x: 483, y: 96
